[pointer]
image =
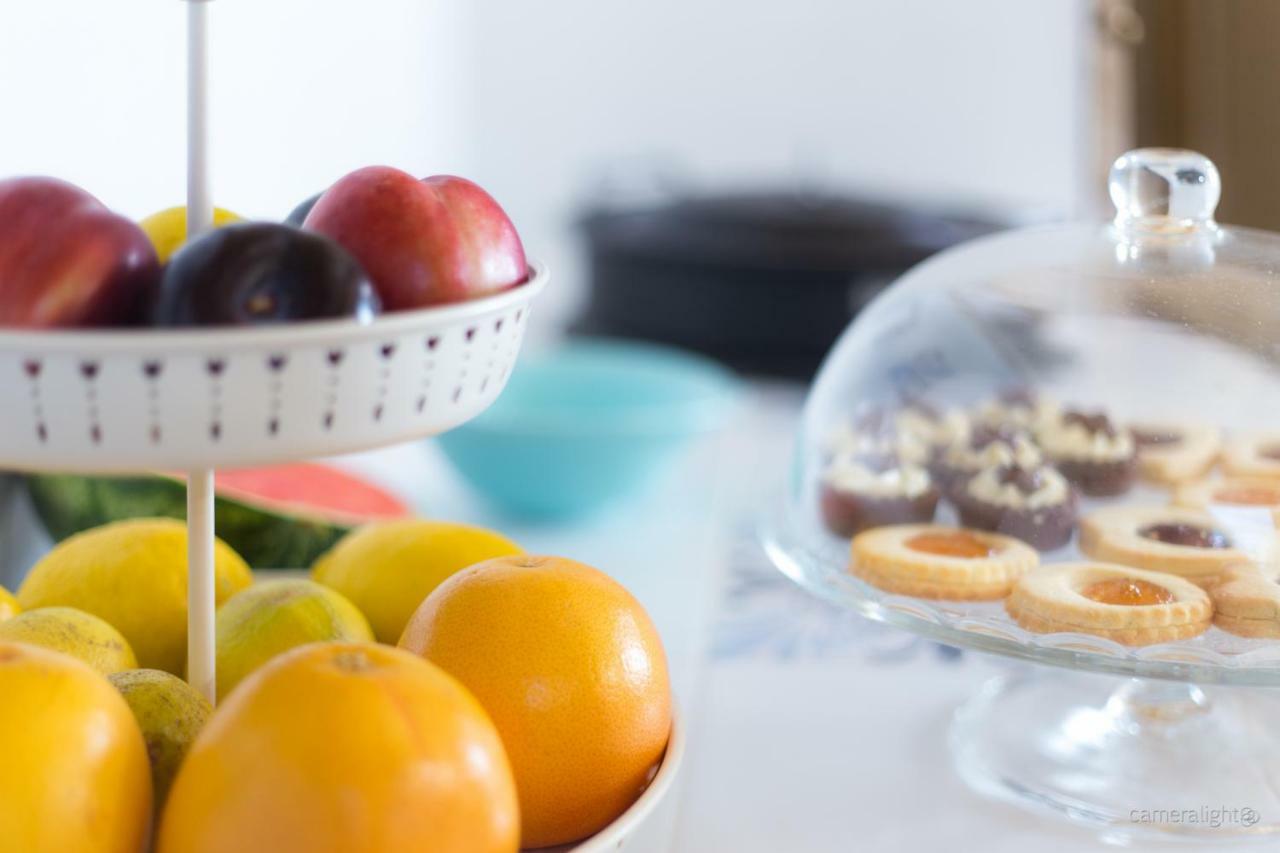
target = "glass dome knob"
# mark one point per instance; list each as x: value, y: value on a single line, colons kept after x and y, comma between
x: 1164, y: 189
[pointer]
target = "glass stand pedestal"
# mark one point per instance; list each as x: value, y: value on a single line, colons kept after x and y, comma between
x: 1136, y: 759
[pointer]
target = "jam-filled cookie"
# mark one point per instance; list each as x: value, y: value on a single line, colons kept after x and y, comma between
x: 1178, y: 540
x: 1232, y: 492
x: 1091, y: 452
x: 1175, y: 453
x: 869, y: 490
x: 933, y: 561
x: 1253, y: 456
x: 1033, y: 503
x: 1247, y: 603
x: 1130, y: 606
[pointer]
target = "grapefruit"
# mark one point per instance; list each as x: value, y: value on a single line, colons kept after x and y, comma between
x: 280, y: 516
x: 133, y: 574
x: 268, y: 618
x: 74, y: 775
x: 572, y: 671
x: 344, y: 748
x: 387, y: 568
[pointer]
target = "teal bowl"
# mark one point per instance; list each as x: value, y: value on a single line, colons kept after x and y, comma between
x: 584, y: 425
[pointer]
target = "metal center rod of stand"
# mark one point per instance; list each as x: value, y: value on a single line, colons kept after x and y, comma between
x: 200, y: 568
x: 201, y: 671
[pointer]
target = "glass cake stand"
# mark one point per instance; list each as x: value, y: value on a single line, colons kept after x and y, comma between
x: 1183, y: 745
x: 1055, y: 341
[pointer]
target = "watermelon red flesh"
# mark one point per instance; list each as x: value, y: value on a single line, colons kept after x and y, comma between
x: 283, y: 516
x: 308, y: 488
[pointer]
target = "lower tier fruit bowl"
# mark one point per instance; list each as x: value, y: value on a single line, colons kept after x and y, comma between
x: 141, y: 399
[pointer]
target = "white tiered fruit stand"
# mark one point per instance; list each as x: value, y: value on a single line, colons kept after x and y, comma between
x: 122, y: 400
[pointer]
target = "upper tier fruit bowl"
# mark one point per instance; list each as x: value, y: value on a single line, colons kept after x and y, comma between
x: 131, y: 399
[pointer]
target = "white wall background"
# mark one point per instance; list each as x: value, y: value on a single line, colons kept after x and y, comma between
x: 957, y: 101
x: 302, y: 91
x: 976, y: 101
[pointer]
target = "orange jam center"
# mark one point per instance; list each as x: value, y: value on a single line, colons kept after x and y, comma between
x: 1130, y: 592
x: 956, y: 543
x: 1248, y: 496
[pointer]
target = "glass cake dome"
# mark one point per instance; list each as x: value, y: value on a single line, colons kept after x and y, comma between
x: 1098, y: 392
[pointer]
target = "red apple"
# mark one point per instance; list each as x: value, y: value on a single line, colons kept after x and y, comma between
x: 66, y: 260
x: 442, y: 239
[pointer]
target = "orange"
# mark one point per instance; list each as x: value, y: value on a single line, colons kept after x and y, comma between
x: 344, y: 748
x: 571, y: 670
x: 74, y: 776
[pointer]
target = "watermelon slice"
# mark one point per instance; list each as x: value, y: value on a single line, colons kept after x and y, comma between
x: 278, y: 517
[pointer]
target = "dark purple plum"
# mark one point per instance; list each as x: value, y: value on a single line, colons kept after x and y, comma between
x: 259, y: 273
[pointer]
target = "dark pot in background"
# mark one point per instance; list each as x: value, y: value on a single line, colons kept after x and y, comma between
x: 762, y: 281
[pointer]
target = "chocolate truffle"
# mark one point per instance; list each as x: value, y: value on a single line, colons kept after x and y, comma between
x: 1100, y: 459
x: 1035, y: 504
x: 863, y: 491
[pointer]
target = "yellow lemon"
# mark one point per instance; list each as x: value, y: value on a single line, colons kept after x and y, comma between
x: 388, y: 567
x: 73, y: 772
x: 170, y: 713
x: 167, y: 229
x: 133, y: 574
x: 268, y: 618
x: 8, y: 604
x: 73, y: 632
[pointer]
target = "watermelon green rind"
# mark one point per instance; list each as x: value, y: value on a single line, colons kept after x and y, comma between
x: 265, y: 538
